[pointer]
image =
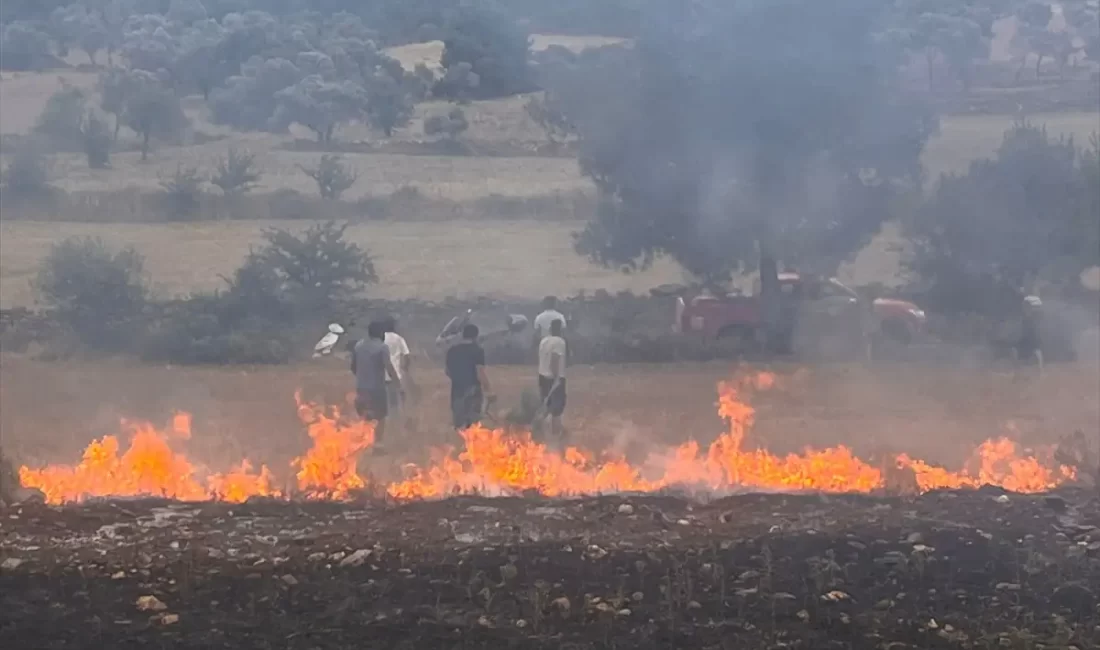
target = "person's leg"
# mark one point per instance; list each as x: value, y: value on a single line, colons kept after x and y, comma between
x: 557, y: 408
x: 380, y: 410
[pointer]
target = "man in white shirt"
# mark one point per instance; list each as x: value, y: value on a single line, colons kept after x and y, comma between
x: 548, y: 315
x: 552, y: 353
x: 401, y: 360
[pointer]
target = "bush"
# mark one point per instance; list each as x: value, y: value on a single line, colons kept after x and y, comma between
x: 96, y: 292
x: 189, y: 334
x: 97, y: 141
x: 182, y: 193
x: 332, y: 176
x: 236, y: 173
x: 315, y: 269
x: 27, y: 176
x: 448, y: 126
x: 62, y: 119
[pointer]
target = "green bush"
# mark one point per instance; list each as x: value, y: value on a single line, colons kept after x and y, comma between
x: 96, y: 292
x: 215, y: 329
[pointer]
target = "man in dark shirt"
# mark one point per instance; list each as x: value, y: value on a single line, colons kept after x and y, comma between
x: 371, y: 365
x: 469, y: 382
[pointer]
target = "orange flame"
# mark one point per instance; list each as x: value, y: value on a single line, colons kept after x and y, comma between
x: 328, y: 469
x: 496, y: 462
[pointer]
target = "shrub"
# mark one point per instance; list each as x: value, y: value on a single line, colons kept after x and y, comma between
x: 27, y: 176
x: 62, y: 119
x: 236, y: 173
x: 448, y: 126
x: 193, y: 332
x: 316, y: 268
x: 96, y: 292
x: 182, y: 193
x: 97, y: 141
x: 332, y: 176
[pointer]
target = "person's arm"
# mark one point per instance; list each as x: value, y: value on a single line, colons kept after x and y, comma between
x: 406, y: 358
x: 353, y: 355
x: 557, y: 362
x: 392, y: 371
x: 482, y: 376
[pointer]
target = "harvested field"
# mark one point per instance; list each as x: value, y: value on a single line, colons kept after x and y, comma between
x: 421, y: 260
x: 939, y: 415
x: 948, y: 569
x: 975, y: 569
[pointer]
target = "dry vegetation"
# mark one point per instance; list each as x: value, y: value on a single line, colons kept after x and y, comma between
x: 939, y: 414
x: 426, y: 261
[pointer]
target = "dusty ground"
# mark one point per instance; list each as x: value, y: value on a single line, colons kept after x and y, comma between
x: 51, y: 411
x: 946, y: 570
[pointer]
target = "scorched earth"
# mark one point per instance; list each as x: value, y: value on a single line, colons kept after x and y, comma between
x: 319, y: 556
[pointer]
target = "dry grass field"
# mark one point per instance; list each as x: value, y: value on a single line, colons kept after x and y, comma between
x: 934, y: 413
x: 423, y: 260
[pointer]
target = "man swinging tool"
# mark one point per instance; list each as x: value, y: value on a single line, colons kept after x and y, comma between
x: 552, y: 354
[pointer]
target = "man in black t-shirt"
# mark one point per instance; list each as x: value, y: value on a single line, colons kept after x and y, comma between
x: 469, y: 382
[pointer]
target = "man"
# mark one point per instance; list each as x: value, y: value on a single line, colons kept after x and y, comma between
x: 400, y: 358
x: 548, y: 315
x: 371, y: 365
x: 552, y: 375
x: 469, y: 382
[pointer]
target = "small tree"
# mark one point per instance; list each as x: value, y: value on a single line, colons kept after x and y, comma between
x: 27, y: 176
x: 448, y: 126
x: 319, y: 266
x: 389, y: 103
x: 96, y: 140
x: 547, y: 112
x: 97, y: 292
x: 236, y: 173
x: 332, y: 176
x: 62, y: 118
x: 182, y: 192
x: 152, y: 109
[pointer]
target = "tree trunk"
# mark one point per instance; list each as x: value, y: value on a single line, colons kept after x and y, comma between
x: 770, y: 299
x: 145, y: 145
x: 929, y: 58
x: 110, y: 57
x: 1038, y: 63
x: 118, y: 125
x: 91, y: 56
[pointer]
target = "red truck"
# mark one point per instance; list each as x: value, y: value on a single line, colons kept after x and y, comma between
x: 824, y: 301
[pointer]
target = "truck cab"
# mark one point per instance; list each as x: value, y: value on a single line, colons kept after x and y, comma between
x: 820, y: 301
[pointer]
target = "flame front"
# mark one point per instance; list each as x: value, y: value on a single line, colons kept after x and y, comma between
x: 497, y: 462
x: 328, y: 469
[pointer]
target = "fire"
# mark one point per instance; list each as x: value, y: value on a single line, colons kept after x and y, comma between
x: 328, y: 469
x: 493, y: 462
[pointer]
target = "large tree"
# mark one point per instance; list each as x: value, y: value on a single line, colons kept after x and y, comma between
x: 1029, y: 214
x: 740, y: 132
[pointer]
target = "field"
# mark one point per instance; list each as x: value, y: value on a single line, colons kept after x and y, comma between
x: 938, y: 414
x: 948, y: 569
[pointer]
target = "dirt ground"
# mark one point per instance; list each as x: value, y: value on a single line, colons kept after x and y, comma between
x: 977, y: 569
x: 50, y: 411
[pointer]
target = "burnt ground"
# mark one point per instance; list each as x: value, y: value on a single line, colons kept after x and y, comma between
x: 980, y: 569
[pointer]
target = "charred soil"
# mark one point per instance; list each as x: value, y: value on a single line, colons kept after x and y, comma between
x: 973, y: 569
